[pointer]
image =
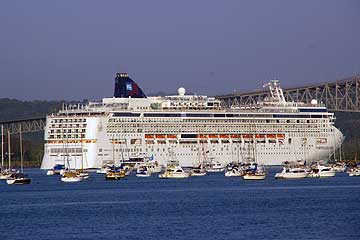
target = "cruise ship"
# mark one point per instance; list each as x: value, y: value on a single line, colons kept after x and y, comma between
x: 189, y: 129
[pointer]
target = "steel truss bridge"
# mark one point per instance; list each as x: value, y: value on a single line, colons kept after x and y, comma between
x: 341, y: 95
x: 27, y: 125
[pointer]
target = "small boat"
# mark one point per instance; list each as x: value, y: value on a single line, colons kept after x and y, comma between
x: 339, y: 167
x: 18, y: 178
x: 71, y: 176
x: 198, y: 171
x: 234, y: 172
x: 255, y: 172
x: 254, y: 176
x: 143, y: 171
x: 322, y: 171
x: 154, y: 166
x: 56, y: 170
x: 115, y: 174
x: 173, y: 171
x: 215, y: 167
x: 104, y: 169
x: 5, y: 174
x: 354, y: 172
x: 82, y: 174
x: 291, y: 173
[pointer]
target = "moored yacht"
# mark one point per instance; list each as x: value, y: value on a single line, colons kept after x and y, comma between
x: 215, y: 167
x: 71, y: 176
x: 18, y: 178
x: 198, y: 171
x: 322, y: 171
x: 143, y: 171
x: 354, y: 172
x: 56, y: 170
x: 291, y: 173
x: 174, y: 171
x: 255, y: 172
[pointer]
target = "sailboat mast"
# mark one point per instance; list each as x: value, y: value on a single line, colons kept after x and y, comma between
x: 21, y: 151
x: 2, y: 146
x: 9, y: 149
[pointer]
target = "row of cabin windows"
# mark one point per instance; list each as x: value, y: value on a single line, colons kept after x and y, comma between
x: 68, y: 120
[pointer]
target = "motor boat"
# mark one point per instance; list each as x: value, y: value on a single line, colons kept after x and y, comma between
x: 143, y: 171
x: 55, y: 170
x: 339, y: 167
x: 198, y: 171
x: 322, y: 171
x: 153, y: 166
x: 234, y: 172
x: 106, y: 167
x: 354, y: 172
x: 215, y: 167
x: 174, y: 171
x: 18, y: 178
x: 5, y: 174
x: 291, y: 173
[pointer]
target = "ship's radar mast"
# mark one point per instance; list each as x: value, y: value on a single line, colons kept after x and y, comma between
x: 276, y: 92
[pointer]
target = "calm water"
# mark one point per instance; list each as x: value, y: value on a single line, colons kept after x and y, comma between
x: 211, y: 207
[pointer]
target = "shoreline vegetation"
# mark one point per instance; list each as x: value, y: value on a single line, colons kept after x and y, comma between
x: 10, y: 109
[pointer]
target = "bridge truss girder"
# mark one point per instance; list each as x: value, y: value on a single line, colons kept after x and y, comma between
x: 26, y: 125
x: 342, y: 95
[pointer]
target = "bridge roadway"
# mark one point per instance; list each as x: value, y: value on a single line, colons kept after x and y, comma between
x: 341, y: 95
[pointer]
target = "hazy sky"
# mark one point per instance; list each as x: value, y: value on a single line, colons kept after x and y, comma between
x: 72, y: 49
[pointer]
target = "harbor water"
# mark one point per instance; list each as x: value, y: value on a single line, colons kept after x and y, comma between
x: 210, y: 207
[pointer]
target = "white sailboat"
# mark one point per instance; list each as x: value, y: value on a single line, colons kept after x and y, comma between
x: 255, y: 171
x: 70, y: 175
x: 19, y: 177
x: 199, y: 170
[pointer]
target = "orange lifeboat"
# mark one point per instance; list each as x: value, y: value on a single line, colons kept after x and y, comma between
x: 271, y: 135
x: 224, y: 136
x: 282, y: 136
x: 213, y: 136
x: 235, y: 136
x: 160, y: 136
x: 171, y: 136
x: 247, y: 136
x: 260, y: 136
x: 202, y: 136
x: 149, y: 136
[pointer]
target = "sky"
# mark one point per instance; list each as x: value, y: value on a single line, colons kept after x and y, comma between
x: 71, y: 49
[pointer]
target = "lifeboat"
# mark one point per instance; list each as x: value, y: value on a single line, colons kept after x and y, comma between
x: 149, y: 136
x: 213, y: 136
x: 160, y: 136
x: 224, y: 136
x: 202, y: 136
x: 171, y: 136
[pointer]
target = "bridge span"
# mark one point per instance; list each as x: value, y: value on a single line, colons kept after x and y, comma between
x: 340, y: 95
x: 27, y: 125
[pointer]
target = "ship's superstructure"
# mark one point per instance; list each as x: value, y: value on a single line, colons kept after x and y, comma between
x: 189, y: 128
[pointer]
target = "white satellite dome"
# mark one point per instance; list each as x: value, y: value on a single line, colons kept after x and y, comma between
x: 314, y: 102
x: 181, y: 91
